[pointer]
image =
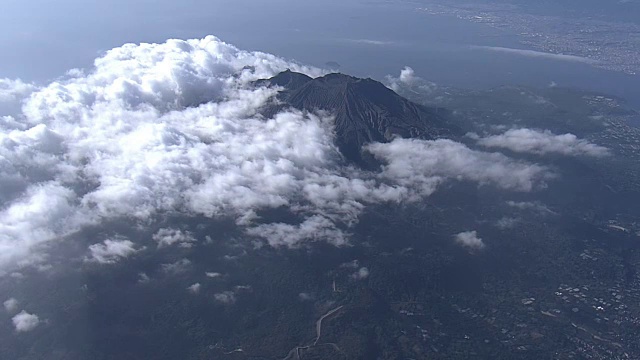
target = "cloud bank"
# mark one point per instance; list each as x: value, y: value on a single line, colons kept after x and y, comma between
x: 154, y: 130
x: 150, y: 129
x: 12, y: 93
x: 542, y: 143
x: 423, y: 165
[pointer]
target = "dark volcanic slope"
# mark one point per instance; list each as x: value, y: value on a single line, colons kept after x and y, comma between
x: 365, y: 110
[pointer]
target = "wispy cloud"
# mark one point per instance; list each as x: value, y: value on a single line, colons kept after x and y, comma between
x: 361, y: 274
x: 195, y: 288
x: 422, y: 166
x: 168, y: 237
x: 225, y: 297
x: 543, y: 142
x: 536, y: 54
x: 530, y: 206
x: 11, y: 305
x: 373, y: 42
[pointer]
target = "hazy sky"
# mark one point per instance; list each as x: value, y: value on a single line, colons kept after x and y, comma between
x: 41, y: 40
x: 44, y: 38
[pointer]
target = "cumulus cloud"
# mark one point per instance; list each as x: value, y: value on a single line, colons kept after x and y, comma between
x: 24, y: 322
x: 469, y: 239
x: 131, y: 136
x: 175, y: 128
x: 423, y: 165
x: 543, y: 142
x: 177, y: 267
x: 12, y: 93
x: 312, y: 229
x: 213, y: 275
x: 409, y: 80
x: 195, y: 288
x: 507, y: 223
x: 167, y: 237
x: 111, y: 251
x: 361, y: 274
x: 225, y: 297
x: 40, y: 214
x: 143, y: 278
x: 11, y: 305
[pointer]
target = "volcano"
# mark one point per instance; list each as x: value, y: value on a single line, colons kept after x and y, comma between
x: 365, y: 110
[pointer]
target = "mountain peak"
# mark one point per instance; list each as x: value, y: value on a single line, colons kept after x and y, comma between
x: 365, y: 110
x: 340, y: 77
x: 287, y: 79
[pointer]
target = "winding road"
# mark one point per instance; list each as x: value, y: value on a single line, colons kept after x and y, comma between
x: 319, y: 322
x: 295, y: 352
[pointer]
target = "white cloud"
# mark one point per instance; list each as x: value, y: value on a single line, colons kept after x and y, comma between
x: 11, y: 305
x: 195, y: 288
x: 507, y: 223
x: 127, y: 132
x: 536, y: 54
x: 177, y: 267
x: 213, y: 274
x: 469, y: 239
x: 225, y: 297
x: 168, y: 237
x: 174, y: 128
x: 409, y: 80
x: 143, y: 278
x: 305, y: 296
x: 422, y: 165
x: 370, y: 42
x: 530, y: 205
x: 315, y: 228
x: 351, y: 264
x: 111, y: 251
x: 361, y: 274
x: 543, y: 142
x: 12, y: 93
x: 24, y: 322
x: 40, y: 214
x: 408, y: 76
